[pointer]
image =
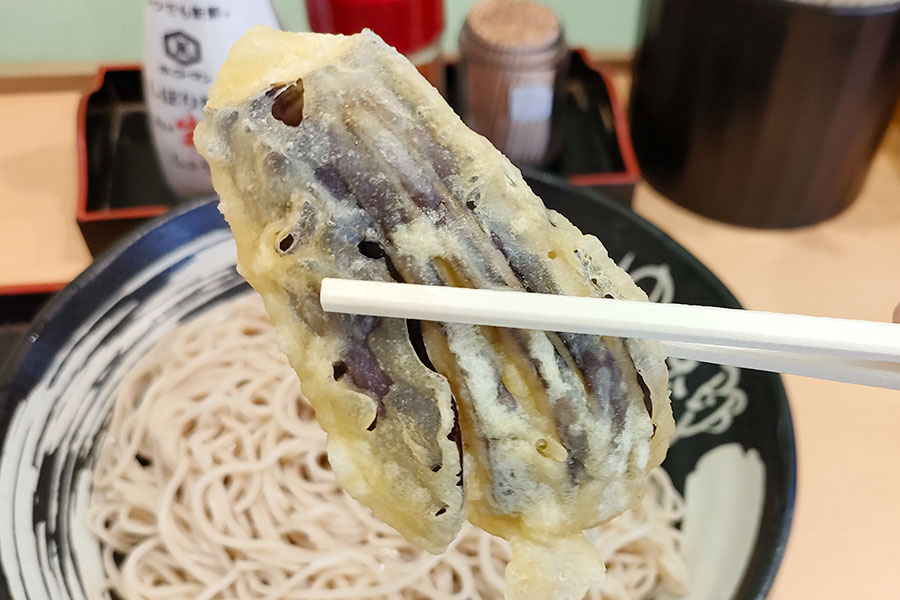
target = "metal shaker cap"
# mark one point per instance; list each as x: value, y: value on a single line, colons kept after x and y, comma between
x: 518, y: 33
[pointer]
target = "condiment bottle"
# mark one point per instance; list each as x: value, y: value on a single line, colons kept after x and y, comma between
x: 185, y: 43
x: 513, y: 60
x: 413, y: 27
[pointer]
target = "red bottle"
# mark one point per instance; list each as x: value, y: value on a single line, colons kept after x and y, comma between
x: 413, y: 27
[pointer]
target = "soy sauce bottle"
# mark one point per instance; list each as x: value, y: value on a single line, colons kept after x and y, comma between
x: 185, y: 43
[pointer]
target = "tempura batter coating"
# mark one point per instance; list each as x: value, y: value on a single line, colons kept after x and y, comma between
x: 335, y: 158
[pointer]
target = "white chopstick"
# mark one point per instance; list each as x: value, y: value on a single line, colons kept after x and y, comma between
x: 862, y: 352
x: 884, y: 374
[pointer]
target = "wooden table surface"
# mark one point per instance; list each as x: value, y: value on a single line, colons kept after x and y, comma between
x: 40, y: 242
x: 845, y: 541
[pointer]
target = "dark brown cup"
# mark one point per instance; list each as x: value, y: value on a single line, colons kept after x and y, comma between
x: 763, y: 112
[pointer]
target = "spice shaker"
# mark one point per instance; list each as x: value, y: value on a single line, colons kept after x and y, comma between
x: 513, y: 59
x: 413, y: 27
x: 185, y: 43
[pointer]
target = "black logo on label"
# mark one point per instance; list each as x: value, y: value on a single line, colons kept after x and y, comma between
x: 182, y: 48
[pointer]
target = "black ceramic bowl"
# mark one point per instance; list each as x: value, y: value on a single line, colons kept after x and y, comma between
x: 733, y: 454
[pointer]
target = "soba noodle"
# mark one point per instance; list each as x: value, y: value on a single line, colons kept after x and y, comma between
x: 213, y: 482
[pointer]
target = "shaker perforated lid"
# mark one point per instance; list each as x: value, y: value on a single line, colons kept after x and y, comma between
x: 514, y: 25
x: 407, y: 25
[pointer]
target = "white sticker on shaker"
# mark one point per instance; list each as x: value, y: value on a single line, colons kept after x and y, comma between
x: 530, y: 103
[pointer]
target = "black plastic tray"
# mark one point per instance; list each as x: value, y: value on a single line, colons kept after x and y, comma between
x: 122, y: 182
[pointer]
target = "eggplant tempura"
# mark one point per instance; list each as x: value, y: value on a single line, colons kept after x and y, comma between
x: 333, y: 157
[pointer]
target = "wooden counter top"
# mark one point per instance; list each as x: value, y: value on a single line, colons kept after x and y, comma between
x: 845, y: 541
x: 40, y: 243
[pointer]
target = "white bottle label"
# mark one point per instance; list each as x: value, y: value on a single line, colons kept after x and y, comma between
x: 185, y: 44
x: 530, y: 103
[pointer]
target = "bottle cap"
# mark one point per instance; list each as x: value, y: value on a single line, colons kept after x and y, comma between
x: 516, y: 25
x: 517, y: 34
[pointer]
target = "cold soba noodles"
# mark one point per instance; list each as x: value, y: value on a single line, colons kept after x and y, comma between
x: 213, y: 482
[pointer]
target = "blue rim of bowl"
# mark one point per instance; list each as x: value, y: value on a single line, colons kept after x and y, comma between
x: 759, y: 583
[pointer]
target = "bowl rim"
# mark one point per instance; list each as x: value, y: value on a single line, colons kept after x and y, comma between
x: 759, y: 582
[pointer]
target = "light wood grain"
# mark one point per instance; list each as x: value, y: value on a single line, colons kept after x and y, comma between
x: 40, y: 242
